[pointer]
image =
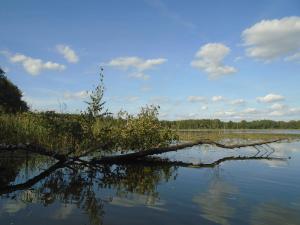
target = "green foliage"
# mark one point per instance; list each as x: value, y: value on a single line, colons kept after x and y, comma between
x: 50, y: 130
x: 218, y: 124
x: 96, y: 104
x: 94, y: 128
x: 10, y: 96
x: 143, y: 131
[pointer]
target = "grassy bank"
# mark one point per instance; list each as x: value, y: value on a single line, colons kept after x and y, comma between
x: 69, y: 132
x: 221, y: 135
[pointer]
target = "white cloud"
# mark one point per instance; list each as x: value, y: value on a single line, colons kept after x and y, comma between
x: 270, y: 39
x: 68, y: 53
x: 146, y: 88
x: 217, y: 98
x: 34, y: 66
x: 204, y: 107
x: 139, y: 75
x: 196, y: 99
x: 250, y: 111
x: 295, y: 57
x: 225, y: 113
x: 238, y: 102
x: 209, y: 59
x: 76, y: 95
x: 278, y: 109
x: 278, y: 106
x: 132, y: 98
x: 159, y: 100
x: 269, y: 98
x: 138, y: 65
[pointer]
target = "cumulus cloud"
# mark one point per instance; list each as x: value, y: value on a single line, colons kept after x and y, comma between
x: 76, y: 95
x: 278, y: 106
x: 244, y: 114
x: 217, y: 98
x: 271, y: 39
x: 238, y: 102
x: 139, y: 75
x: 31, y: 65
x: 286, y: 111
x: 250, y: 111
x: 210, y: 58
x: 196, y: 99
x: 204, y: 107
x: 270, y: 98
x: 68, y: 53
x: 137, y: 65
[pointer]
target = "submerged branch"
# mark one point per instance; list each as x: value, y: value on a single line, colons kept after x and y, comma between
x: 126, y: 157
x: 219, y: 161
x: 29, y: 183
x: 145, y: 162
x: 155, y: 151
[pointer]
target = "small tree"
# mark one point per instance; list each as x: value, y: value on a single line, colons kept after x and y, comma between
x: 95, y: 110
x: 10, y: 96
x: 96, y: 103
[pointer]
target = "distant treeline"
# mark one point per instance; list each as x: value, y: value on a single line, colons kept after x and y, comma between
x: 218, y: 124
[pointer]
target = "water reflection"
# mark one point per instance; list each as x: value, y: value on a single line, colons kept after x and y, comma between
x: 275, y: 213
x: 82, y: 187
x: 214, y: 204
x: 34, y: 189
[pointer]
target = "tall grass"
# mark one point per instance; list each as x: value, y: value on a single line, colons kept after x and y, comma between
x: 66, y: 132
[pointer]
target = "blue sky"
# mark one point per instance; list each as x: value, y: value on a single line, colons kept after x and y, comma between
x: 231, y: 60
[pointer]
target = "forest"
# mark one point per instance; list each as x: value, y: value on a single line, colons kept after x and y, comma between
x: 243, y: 124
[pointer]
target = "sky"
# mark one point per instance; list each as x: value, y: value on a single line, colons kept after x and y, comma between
x: 231, y: 60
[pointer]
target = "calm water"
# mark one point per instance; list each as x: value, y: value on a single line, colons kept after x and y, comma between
x: 234, y: 192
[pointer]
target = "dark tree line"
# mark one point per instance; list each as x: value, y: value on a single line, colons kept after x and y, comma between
x: 10, y: 96
x: 218, y: 124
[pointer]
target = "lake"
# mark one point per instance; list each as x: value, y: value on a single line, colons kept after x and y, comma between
x: 233, y: 192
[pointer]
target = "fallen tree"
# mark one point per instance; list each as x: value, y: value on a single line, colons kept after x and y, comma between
x: 76, y: 162
x: 145, y: 162
x: 125, y: 157
x: 155, y: 151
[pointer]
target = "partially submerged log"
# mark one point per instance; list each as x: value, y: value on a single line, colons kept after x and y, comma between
x: 126, y: 157
x: 145, y: 162
x: 160, y: 162
x: 65, y: 161
x: 155, y: 151
x: 29, y: 183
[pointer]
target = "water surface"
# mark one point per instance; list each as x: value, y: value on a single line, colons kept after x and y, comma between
x: 234, y: 192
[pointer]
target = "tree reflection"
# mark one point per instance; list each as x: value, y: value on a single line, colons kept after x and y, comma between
x: 82, y: 187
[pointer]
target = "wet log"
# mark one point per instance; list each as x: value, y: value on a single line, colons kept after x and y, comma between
x: 29, y: 183
x: 126, y: 157
x: 155, y: 151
